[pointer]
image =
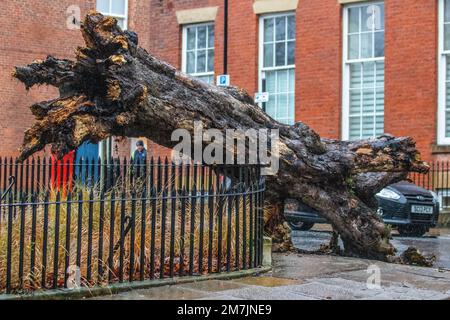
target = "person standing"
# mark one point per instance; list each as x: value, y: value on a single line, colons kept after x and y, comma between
x: 139, y: 158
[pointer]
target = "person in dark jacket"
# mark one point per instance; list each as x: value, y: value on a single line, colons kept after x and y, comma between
x: 139, y: 157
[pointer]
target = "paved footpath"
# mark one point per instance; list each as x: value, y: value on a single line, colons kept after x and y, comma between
x: 312, y: 277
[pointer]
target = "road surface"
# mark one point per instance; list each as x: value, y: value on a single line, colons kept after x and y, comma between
x: 436, y: 242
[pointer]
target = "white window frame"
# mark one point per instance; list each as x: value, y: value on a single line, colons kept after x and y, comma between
x: 345, y: 135
x: 184, y: 49
x: 261, y: 68
x: 443, y: 55
x: 124, y: 16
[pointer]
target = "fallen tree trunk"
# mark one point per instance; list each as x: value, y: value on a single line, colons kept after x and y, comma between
x: 116, y: 88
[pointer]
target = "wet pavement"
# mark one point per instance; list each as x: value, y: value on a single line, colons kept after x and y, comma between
x: 323, y: 277
x: 436, y: 242
x: 311, y: 277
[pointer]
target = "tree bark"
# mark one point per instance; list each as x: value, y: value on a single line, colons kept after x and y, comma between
x: 114, y: 87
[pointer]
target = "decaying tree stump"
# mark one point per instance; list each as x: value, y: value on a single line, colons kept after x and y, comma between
x: 117, y: 88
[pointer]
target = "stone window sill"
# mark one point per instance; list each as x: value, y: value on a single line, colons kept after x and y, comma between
x: 437, y: 149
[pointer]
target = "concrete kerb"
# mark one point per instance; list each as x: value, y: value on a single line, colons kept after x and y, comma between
x: 68, y: 294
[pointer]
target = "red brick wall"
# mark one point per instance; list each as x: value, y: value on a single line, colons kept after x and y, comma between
x: 318, y: 66
x: 30, y: 30
x: 411, y: 71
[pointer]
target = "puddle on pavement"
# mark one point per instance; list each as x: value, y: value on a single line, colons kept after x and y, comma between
x: 213, y: 285
x: 268, y: 281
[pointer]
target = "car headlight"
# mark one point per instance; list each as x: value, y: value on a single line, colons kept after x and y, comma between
x: 388, y: 194
x: 435, y: 196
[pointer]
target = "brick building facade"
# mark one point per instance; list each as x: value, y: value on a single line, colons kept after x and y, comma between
x: 347, y: 68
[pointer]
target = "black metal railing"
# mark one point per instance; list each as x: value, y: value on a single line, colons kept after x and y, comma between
x: 96, y: 223
x: 437, y: 180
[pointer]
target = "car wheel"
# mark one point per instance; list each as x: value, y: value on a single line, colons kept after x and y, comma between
x: 301, y: 226
x: 412, y: 231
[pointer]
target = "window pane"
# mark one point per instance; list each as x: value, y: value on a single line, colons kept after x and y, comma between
x: 355, y: 75
x: 355, y: 102
x: 207, y: 79
x: 447, y: 113
x: 447, y: 58
x: 268, y: 55
x: 353, y: 20
x: 121, y: 23
x: 282, y: 81
x: 210, y: 60
x: 291, y: 109
x: 280, y: 59
x: 379, y: 44
x: 268, y: 30
x: 368, y: 74
x: 271, y: 106
x: 211, y: 36
x: 447, y: 11
x: 201, y: 61
x: 190, y: 62
x: 280, y: 24
x: 271, y: 84
x: 447, y: 37
x: 201, y: 37
x: 379, y: 73
x: 103, y: 6
x: 355, y: 128
x: 291, y: 27
x: 353, y: 45
x: 379, y: 17
x: 118, y: 7
x: 379, y: 100
x: 447, y: 124
x: 291, y: 75
x: 291, y: 52
x: 282, y: 106
x: 368, y: 129
x: 366, y: 45
x: 367, y: 18
x: 368, y: 101
x: 447, y: 95
x: 191, y: 38
x: 379, y: 125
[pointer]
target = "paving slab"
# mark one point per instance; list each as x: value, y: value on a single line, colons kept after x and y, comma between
x: 265, y: 293
x: 325, y: 291
x: 360, y: 290
x: 304, y: 266
x: 421, y: 278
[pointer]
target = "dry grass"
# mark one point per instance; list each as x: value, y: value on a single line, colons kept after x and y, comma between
x: 32, y: 280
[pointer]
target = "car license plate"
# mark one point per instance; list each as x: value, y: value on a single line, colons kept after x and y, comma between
x: 421, y: 209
